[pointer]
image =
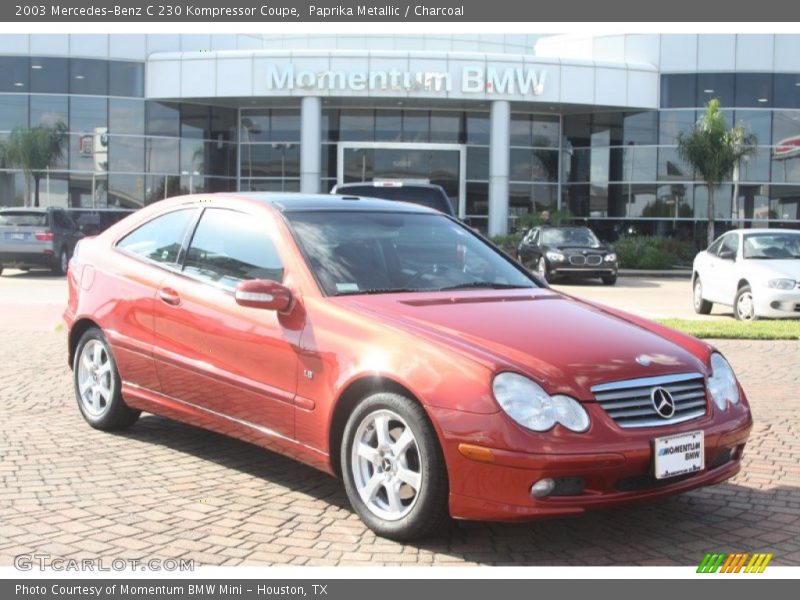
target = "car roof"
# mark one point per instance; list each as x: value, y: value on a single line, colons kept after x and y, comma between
x: 763, y: 230
x: 297, y: 202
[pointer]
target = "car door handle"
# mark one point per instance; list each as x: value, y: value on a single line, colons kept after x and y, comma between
x: 169, y: 296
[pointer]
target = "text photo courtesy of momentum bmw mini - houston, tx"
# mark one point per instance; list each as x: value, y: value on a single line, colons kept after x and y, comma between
x: 399, y: 299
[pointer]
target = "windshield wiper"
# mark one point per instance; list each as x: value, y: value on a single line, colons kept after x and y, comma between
x: 377, y: 291
x: 484, y: 284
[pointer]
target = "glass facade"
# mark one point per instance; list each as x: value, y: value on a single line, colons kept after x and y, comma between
x: 120, y: 150
x: 613, y: 168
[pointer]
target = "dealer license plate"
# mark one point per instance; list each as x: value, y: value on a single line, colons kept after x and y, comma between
x: 679, y: 454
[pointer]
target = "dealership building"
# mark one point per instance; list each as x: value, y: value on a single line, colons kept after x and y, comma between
x: 507, y: 124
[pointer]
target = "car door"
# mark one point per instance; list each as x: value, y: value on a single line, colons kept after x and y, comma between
x: 720, y: 270
x: 214, y: 354
x: 145, y: 257
x: 529, y: 253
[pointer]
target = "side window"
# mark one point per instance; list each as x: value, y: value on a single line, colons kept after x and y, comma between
x: 159, y: 240
x: 535, y: 237
x: 713, y: 249
x: 229, y: 247
x: 730, y: 243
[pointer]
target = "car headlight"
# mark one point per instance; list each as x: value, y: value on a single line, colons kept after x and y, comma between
x: 530, y: 406
x: 555, y: 256
x: 722, y: 382
x: 782, y: 284
x: 610, y: 257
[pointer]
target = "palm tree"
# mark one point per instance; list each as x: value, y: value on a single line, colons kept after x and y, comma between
x: 34, y: 151
x: 714, y: 151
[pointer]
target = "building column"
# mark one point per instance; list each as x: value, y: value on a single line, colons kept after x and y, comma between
x: 499, y: 148
x: 310, y: 144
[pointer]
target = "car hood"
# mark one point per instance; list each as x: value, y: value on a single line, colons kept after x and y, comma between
x: 567, y: 345
x: 772, y: 269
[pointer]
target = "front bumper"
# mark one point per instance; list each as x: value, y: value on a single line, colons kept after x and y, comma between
x: 777, y: 304
x: 566, y: 269
x: 614, y: 470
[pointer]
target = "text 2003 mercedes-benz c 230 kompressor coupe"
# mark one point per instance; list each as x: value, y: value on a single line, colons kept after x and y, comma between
x: 391, y: 345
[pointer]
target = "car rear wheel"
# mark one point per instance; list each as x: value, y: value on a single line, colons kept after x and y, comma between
x: 701, y: 307
x: 393, y: 469
x: 62, y: 263
x: 543, y: 270
x: 743, y: 307
x: 97, y: 384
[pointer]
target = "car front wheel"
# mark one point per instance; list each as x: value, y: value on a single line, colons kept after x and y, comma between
x: 543, y: 270
x: 609, y: 279
x: 743, y: 307
x: 393, y: 469
x: 97, y: 384
x: 701, y: 307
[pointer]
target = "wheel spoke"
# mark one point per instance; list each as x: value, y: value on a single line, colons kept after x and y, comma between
x: 403, y: 443
x: 382, y: 430
x: 104, y: 368
x: 410, y: 477
x: 372, y: 486
x: 393, y: 494
x: 87, y: 361
x: 85, y: 385
x: 367, y: 452
x: 97, y: 355
x: 104, y: 392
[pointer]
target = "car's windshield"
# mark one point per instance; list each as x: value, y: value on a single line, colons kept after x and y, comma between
x: 424, y: 196
x: 380, y: 252
x: 570, y: 236
x: 23, y: 218
x: 778, y: 245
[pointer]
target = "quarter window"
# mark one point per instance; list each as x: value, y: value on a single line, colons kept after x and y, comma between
x: 229, y: 247
x: 159, y: 240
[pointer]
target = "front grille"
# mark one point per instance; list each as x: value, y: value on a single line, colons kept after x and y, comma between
x: 630, y: 404
x: 594, y: 260
x: 577, y: 260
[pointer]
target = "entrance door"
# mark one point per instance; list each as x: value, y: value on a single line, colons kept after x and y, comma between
x: 442, y: 164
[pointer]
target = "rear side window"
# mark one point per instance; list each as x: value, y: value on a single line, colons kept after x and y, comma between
x: 23, y: 218
x: 159, y: 240
x: 229, y: 247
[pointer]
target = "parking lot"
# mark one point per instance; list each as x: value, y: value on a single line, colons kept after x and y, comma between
x: 167, y: 490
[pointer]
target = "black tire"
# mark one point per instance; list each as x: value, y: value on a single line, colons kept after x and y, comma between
x: 739, y: 310
x: 429, y: 507
x: 609, y: 279
x: 112, y: 414
x: 1, y: 269
x: 701, y: 306
x: 543, y: 269
x: 61, y: 262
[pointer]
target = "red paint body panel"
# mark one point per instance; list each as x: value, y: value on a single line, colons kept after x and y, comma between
x: 188, y: 351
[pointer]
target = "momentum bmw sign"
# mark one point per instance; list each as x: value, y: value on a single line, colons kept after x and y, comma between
x: 474, y: 79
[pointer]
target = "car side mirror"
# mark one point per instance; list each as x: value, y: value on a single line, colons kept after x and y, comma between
x: 263, y: 293
x: 727, y: 255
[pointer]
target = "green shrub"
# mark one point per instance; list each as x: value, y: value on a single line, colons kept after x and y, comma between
x: 653, y: 252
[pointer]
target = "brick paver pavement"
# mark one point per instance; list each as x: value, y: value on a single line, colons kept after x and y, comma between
x: 167, y: 490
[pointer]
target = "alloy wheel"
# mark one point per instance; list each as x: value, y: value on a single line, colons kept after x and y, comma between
x: 745, y: 309
x: 386, y: 465
x: 95, y: 379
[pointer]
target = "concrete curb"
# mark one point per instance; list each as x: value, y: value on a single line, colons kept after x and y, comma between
x: 656, y: 274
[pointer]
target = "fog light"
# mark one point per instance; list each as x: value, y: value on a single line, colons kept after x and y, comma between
x: 542, y: 488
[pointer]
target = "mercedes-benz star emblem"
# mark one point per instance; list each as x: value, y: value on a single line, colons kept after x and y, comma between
x: 663, y: 402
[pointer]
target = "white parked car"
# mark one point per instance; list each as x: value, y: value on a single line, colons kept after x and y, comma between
x: 756, y: 271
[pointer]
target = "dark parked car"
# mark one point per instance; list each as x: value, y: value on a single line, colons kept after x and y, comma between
x: 37, y: 238
x: 567, y: 251
x: 425, y: 194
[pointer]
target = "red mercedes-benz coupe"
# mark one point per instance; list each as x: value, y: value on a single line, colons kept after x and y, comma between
x: 393, y: 346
